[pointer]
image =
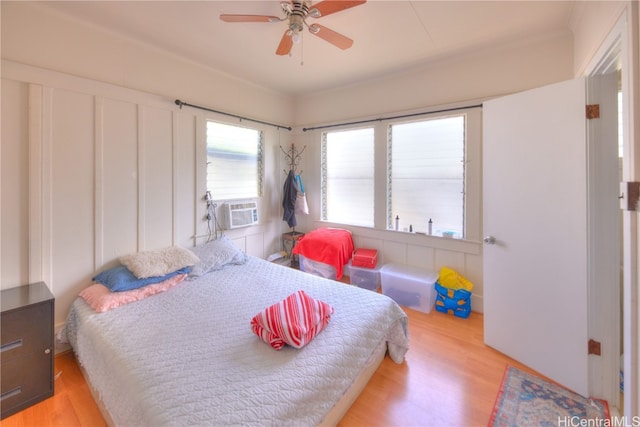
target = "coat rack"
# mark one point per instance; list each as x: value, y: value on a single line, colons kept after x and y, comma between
x: 293, y: 157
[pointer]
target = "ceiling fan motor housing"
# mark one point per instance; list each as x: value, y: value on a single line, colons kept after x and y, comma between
x: 297, y: 12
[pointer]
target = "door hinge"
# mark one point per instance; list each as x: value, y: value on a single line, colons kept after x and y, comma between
x: 594, y: 347
x: 629, y: 195
x: 593, y: 111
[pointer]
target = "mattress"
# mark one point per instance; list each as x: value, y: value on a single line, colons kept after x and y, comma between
x: 188, y: 356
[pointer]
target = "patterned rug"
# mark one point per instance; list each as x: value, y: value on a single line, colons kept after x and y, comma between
x: 527, y: 400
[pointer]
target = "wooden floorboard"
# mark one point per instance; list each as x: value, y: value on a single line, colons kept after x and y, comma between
x: 449, y: 378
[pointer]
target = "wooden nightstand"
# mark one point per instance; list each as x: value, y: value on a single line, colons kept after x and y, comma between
x: 289, y: 241
x: 26, y: 347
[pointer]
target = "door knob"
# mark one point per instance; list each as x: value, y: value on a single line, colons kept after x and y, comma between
x: 490, y: 240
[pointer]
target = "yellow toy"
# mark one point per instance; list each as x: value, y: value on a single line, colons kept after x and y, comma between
x: 452, y: 280
x: 453, y: 293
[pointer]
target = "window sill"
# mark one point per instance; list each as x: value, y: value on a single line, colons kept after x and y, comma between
x: 468, y: 246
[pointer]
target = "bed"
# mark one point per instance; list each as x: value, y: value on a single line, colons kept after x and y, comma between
x: 187, y: 356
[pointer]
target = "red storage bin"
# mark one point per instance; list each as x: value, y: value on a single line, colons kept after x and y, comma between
x: 367, y: 258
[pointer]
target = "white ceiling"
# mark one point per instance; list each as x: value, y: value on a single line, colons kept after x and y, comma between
x: 389, y: 36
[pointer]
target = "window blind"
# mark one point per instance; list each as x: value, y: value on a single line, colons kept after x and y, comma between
x: 348, y: 176
x: 426, y: 164
x: 234, y: 161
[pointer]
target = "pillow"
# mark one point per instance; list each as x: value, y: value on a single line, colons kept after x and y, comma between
x: 119, y: 278
x: 296, y: 320
x: 158, y: 262
x: 101, y: 299
x: 215, y: 255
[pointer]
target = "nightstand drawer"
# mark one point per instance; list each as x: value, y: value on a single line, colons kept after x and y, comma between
x: 23, y: 332
x: 26, y: 347
x: 21, y: 388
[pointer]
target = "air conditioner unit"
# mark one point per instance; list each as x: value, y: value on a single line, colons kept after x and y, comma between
x: 239, y: 214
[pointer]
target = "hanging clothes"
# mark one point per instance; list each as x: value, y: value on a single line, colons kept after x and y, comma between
x: 301, y: 199
x: 290, y: 193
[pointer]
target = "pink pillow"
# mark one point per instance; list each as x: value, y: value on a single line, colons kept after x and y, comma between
x: 296, y: 320
x: 101, y: 299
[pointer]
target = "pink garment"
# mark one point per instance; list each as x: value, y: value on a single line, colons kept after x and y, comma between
x: 101, y: 299
x: 332, y: 246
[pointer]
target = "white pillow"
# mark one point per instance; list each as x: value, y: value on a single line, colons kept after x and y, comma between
x: 215, y: 255
x: 158, y: 262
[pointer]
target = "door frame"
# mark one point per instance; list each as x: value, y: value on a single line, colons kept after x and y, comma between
x: 615, y: 53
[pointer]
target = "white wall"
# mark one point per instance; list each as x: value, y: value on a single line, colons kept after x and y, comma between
x: 104, y: 163
x: 456, y: 81
x: 35, y: 35
x: 472, y: 76
x: 14, y: 183
x: 92, y: 171
x: 98, y: 166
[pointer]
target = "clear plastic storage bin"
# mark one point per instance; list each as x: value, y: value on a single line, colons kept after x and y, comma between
x: 362, y: 277
x: 317, y: 268
x: 409, y: 286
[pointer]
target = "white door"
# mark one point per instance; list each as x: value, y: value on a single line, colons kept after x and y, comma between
x: 535, y: 207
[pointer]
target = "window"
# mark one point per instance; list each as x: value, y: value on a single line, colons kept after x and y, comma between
x: 348, y: 176
x: 426, y: 167
x: 426, y: 175
x: 234, y: 161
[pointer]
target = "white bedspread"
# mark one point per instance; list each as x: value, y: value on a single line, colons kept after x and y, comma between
x: 188, y: 356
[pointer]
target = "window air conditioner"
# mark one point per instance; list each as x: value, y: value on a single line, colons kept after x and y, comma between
x: 239, y: 214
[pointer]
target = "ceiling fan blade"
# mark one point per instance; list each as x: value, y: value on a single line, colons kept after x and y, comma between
x: 286, y: 43
x: 249, y: 18
x: 328, y: 7
x: 336, y: 39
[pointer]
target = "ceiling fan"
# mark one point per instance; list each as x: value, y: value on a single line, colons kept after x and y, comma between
x: 296, y: 13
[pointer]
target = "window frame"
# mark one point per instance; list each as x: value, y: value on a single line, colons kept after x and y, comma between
x: 472, y: 205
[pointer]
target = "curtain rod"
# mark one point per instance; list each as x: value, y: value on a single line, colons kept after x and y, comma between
x: 403, y: 116
x: 181, y: 104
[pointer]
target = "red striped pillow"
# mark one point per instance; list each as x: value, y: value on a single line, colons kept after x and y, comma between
x: 296, y: 320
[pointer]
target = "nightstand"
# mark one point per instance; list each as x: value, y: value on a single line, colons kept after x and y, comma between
x: 26, y: 347
x: 289, y: 241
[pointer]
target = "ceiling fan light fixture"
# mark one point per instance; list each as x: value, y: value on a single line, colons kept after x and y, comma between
x: 296, y: 24
x: 296, y: 36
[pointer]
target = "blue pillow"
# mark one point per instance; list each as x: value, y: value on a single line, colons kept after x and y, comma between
x: 119, y: 279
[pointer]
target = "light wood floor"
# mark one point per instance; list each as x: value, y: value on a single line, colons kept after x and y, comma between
x: 449, y: 378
